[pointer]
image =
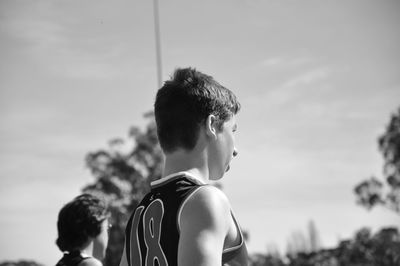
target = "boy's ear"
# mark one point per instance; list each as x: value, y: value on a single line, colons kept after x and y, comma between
x: 211, y: 126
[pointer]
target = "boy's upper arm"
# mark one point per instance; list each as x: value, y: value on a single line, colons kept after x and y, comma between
x: 204, y: 224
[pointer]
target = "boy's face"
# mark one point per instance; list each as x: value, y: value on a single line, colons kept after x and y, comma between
x: 223, y: 149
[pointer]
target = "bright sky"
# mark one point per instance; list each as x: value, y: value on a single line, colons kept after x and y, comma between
x: 317, y: 81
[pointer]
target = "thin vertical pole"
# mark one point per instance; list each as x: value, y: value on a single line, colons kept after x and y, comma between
x: 158, y: 42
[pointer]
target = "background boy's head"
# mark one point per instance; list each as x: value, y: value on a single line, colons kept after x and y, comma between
x: 81, y: 221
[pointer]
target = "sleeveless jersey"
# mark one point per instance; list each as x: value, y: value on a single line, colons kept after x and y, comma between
x: 152, y: 232
x: 71, y: 259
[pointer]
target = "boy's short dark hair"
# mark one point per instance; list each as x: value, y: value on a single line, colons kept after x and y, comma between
x: 80, y: 220
x: 184, y: 102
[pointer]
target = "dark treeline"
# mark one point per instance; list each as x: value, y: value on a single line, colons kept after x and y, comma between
x: 365, y: 249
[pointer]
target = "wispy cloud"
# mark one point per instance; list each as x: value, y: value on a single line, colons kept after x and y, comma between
x: 90, y: 70
x: 285, y: 61
x: 299, y: 84
x: 59, y: 51
x: 35, y: 34
x: 311, y: 76
x: 272, y: 61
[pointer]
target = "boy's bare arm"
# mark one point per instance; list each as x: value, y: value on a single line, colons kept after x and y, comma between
x: 204, y: 224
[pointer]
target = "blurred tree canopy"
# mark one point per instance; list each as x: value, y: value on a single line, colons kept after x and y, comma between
x: 364, y: 249
x: 123, y: 173
x: 20, y: 263
x: 369, y: 192
x: 304, y: 242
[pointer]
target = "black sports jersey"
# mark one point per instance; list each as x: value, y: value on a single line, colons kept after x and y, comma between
x: 71, y: 259
x: 152, y: 232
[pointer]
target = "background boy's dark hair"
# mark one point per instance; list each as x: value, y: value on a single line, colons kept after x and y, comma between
x: 80, y: 220
x: 184, y: 102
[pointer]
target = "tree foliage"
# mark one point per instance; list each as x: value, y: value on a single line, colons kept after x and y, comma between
x: 20, y: 263
x: 370, y: 192
x: 300, y: 242
x: 382, y: 248
x: 266, y: 260
x: 364, y: 249
x: 123, y: 173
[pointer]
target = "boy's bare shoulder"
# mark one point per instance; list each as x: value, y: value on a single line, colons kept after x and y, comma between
x: 207, y: 200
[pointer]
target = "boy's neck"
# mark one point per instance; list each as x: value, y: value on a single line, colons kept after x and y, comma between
x: 87, y: 250
x: 193, y: 162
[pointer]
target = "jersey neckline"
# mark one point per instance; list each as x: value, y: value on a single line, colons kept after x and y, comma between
x: 171, y: 177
